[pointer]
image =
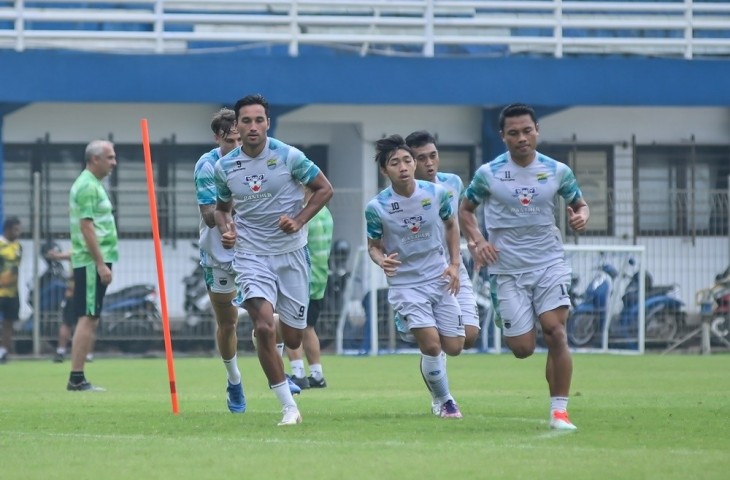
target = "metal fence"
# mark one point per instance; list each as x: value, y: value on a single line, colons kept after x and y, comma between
x: 690, y: 259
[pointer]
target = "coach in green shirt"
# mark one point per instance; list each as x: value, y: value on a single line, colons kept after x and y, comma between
x: 93, y: 251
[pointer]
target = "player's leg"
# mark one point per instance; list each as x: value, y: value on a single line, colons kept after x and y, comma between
x: 221, y: 291
x: 551, y: 301
x: 9, y: 313
x: 310, y: 344
x: 68, y: 322
x: 468, y: 306
x: 88, y: 300
x: 516, y: 312
x: 259, y: 291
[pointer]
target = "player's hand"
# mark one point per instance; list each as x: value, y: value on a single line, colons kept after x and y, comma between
x: 289, y: 225
x: 390, y: 264
x: 452, y: 274
x: 105, y: 274
x: 483, y: 253
x: 577, y: 221
x: 228, y: 239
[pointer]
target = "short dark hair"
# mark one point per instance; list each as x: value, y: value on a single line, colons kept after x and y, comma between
x: 516, y: 110
x: 10, y: 222
x: 385, y: 147
x: 420, y: 138
x: 223, y: 121
x: 254, y: 99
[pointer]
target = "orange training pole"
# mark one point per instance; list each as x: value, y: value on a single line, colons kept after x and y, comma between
x: 158, y: 258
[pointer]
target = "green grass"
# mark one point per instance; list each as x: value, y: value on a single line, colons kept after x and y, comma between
x: 648, y: 417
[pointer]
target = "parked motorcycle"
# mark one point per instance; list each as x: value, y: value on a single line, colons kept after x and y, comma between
x: 197, y: 307
x: 606, y: 299
x: 716, y: 300
x: 52, y: 288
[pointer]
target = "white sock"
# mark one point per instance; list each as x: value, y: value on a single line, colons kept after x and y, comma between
x: 284, y: 394
x: 315, y: 370
x: 434, y: 371
x: 280, y: 349
x: 3, y: 351
x: 297, y: 368
x: 234, y: 375
x: 558, y: 403
x: 61, y: 351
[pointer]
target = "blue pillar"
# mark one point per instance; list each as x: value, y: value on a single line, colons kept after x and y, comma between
x: 492, y: 144
x: 5, y: 108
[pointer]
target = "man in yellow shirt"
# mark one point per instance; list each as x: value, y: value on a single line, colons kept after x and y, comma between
x: 11, y: 253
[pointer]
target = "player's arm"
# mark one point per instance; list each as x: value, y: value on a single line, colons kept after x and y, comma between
x: 205, y: 191
x: 376, y: 250
x: 453, y: 242
x: 92, y: 244
x: 578, y: 214
x: 224, y: 222
x: 322, y: 192
x: 481, y: 250
x: 207, y: 213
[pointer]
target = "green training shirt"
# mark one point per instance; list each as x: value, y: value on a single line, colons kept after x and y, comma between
x: 319, y: 242
x: 88, y: 199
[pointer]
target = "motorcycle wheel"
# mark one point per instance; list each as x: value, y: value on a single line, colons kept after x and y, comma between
x: 720, y: 327
x: 582, y: 328
x: 663, y: 326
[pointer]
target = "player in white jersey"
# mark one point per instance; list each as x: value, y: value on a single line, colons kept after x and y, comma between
x: 426, y: 154
x: 406, y: 226
x: 527, y: 266
x: 216, y: 260
x: 263, y: 182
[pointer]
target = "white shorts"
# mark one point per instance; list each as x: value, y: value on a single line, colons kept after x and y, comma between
x: 220, y: 279
x: 429, y: 305
x: 466, y: 299
x: 282, y: 280
x: 522, y: 297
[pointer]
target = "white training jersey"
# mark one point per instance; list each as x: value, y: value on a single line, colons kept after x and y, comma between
x: 212, y: 253
x: 262, y: 190
x: 454, y: 187
x: 519, y: 212
x: 412, y: 227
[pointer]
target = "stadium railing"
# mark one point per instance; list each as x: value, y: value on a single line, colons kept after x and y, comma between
x: 670, y: 28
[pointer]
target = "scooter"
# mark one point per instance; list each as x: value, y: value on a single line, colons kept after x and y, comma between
x: 131, y: 312
x: 716, y: 302
x: 604, y: 296
x: 588, y: 313
x: 664, y: 316
x: 197, y: 306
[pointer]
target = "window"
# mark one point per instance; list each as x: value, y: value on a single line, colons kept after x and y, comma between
x: 593, y: 168
x: 683, y: 190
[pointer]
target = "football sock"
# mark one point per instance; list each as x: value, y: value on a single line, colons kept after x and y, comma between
x: 558, y: 403
x: 77, y: 377
x: 434, y: 371
x: 316, y: 371
x: 234, y: 375
x: 283, y: 394
x: 297, y: 368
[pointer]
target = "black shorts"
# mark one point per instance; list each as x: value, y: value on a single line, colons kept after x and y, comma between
x: 315, y: 306
x: 68, y: 314
x: 89, y: 292
x: 10, y: 308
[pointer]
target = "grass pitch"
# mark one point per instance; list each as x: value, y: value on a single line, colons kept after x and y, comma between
x: 639, y: 417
